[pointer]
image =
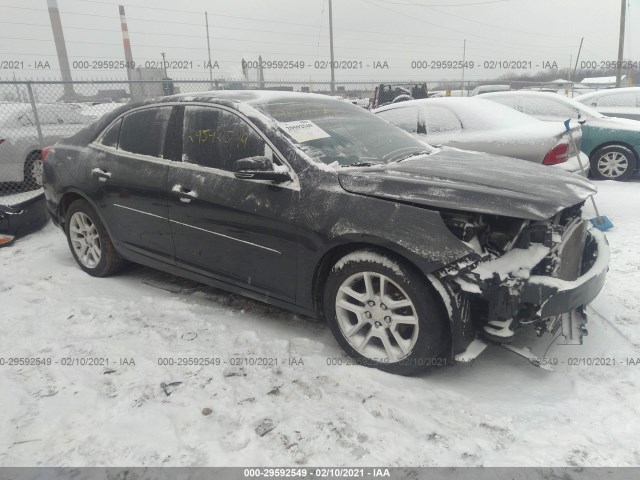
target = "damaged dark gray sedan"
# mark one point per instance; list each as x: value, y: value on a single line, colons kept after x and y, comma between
x: 415, y: 256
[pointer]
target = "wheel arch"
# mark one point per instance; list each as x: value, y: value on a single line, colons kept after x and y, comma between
x: 334, y: 254
x: 615, y: 143
x: 459, y: 328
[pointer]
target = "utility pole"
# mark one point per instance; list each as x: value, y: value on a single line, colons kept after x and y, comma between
x: 623, y: 21
x: 61, y: 50
x: 206, y: 20
x: 576, y: 66
x: 333, y: 75
x: 164, y: 64
x: 464, y: 56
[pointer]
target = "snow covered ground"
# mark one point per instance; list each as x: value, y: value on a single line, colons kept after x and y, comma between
x: 499, y: 411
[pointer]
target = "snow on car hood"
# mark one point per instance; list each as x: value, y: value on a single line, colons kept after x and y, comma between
x: 616, y: 123
x: 474, y: 182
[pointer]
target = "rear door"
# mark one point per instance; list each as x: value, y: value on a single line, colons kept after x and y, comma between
x: 128, y: 179
x: 239, y: 231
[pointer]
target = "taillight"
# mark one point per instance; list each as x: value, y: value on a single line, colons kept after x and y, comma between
x: 5, y: 240
x: 558, y: 154
x: 45, y: 152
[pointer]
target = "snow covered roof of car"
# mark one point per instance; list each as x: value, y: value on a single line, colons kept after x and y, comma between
x: 246, y: 96
x: 606, y: 91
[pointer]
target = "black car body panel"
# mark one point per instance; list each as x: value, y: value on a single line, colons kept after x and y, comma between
x: 455, y: 179
x: 275, y: 241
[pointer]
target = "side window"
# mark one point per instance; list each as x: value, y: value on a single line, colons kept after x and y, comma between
x: 548, y: 109
x: 404, y: 118
x: 510, y: 101
x: 618, y: 100
x: 110, y: 138
x: 215, y: 138
x: 441, y: 120
x: 144, y: 131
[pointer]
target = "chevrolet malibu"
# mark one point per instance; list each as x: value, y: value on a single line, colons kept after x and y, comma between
x: 414, y: 256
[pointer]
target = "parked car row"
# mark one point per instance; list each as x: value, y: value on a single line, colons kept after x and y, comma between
x: 612, y: 144
x: 19, y: 143
x: 481, y: 125
x: 414, y: 255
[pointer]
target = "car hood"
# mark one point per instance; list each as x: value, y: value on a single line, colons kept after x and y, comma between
x: 455, y: 179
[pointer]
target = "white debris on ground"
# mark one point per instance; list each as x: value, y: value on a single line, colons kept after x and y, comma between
x: 307, y: 409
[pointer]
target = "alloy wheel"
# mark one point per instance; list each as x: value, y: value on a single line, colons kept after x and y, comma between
x: 612, y: 164
x: 85, y: 239
x: 377, y: 317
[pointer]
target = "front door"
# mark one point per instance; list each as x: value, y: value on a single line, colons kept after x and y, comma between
x: 236, y: 230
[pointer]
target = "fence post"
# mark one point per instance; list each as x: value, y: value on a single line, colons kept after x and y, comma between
x: 35, y: 114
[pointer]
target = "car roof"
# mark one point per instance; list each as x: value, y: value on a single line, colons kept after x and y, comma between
x: 446, y: 101
x: 608, y: 91
x: 526, y: 93
x: 246, y: 96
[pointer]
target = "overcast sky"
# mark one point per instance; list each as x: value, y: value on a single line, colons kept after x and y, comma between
x: 393, y: 31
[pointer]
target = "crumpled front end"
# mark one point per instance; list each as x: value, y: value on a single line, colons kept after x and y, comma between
x: 531, y: 273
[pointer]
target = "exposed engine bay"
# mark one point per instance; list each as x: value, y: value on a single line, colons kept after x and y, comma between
x: 514, y: 255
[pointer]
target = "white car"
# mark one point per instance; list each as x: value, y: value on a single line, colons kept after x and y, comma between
x: 614, y: 102
x: 19, y: 144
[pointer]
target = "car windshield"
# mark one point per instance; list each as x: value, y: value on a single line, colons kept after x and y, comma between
x: 330, y: 131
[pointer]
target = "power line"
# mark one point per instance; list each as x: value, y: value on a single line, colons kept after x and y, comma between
x: 377, y: 33
x: 465, y: 33
x: 439, y: 5
x: 502, y: 27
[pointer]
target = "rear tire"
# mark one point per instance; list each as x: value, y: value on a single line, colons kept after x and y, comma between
x: 89, y: 241
x: 613, y: 162
x: 385, y: 315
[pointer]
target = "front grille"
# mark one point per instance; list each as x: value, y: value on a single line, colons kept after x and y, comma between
x: 570, y: 251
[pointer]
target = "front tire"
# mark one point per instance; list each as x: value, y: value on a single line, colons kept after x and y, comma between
x: 385, y: 315
x: 613, y: 162
x: 89, y: 241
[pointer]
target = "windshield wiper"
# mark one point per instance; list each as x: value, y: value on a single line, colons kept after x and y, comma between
x: 415, y: 154
x: 361, y: 164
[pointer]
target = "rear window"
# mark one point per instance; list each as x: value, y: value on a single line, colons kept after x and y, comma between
x: 405, y: 118
x: 617, y: 100
x: 441, y: 120
x: 144, y: 131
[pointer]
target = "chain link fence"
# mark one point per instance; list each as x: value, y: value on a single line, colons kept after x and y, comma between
x: 34, y: 114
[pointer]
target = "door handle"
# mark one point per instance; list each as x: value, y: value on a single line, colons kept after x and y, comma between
x: 102, y: 175
x: 185, y: 194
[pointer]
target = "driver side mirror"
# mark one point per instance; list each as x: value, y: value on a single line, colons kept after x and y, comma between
x: 259, y: 168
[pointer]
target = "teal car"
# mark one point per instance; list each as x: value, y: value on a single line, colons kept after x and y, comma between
x: 612, y: 144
